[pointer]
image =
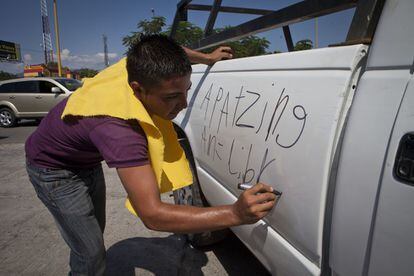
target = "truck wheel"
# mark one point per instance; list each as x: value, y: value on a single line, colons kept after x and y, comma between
x: 7, y: 117
x: 192, y: 195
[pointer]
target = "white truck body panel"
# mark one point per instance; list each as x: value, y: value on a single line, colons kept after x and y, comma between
x: 323, y: 127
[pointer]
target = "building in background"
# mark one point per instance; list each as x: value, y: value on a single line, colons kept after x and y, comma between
x: 41, y: 70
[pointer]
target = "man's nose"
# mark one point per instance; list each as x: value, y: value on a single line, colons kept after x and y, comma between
x: 184, y: 101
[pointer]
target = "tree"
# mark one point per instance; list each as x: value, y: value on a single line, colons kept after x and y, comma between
x: 52, y: 65
x: 249, y: 46
x: 304, y: 44
x: 245, y: 47
x: 145, y: 27
x: 86, y: 72
x: 6, y: 76
x: 188, y: 33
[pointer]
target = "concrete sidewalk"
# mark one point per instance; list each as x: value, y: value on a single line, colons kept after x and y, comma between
x: 31, y: 245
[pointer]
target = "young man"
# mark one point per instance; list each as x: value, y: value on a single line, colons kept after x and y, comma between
x: 124, y: 119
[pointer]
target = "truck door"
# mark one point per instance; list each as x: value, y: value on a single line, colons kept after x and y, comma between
x: 393, y: 233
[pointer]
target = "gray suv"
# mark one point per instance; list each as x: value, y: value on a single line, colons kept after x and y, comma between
x: 32, y: 97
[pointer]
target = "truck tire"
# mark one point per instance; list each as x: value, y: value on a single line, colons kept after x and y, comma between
x: 7, y: 117
x: 193, y: 196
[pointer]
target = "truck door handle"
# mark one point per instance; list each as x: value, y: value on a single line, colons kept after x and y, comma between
x: 404, y: 161
x: 38, y: 97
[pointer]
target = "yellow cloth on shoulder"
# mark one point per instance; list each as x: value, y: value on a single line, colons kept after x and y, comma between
x: 109, y: 94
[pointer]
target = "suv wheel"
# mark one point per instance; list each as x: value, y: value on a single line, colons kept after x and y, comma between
x: 7, y: 118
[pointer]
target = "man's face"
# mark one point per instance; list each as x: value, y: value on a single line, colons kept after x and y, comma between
x: 165, y: 100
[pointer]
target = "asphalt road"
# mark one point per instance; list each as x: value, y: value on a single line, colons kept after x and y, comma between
x: 31, y: 245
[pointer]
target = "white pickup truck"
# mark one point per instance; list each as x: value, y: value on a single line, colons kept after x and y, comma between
x: 333, y: 130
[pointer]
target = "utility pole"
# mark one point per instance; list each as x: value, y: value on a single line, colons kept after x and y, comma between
x: 316, y: 33
x: 153, y: 12
x: 57, y: 38
x: 105, y: 50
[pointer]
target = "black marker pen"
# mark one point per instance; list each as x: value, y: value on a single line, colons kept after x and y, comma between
x: 244, y: 186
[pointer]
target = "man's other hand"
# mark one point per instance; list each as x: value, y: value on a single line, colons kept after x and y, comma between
x: 222, y: 52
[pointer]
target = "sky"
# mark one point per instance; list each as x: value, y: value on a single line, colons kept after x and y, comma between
x: 83, y: 22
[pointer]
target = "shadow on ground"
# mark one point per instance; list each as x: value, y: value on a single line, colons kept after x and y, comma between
x: 173, y: 256
x: 236, y: 259
x: 160, y: 256
x: 28, y: 123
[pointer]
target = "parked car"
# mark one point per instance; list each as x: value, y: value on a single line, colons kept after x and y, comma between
x: 32, y: 97
x: 330, y: 128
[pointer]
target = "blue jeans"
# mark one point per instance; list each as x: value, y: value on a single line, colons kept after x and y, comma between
x: 76, y: 199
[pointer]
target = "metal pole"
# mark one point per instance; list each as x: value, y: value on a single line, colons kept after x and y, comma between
x: 106, y: 60
x: 316, y: 32
x: 57, y: 38
x: 212, y: 18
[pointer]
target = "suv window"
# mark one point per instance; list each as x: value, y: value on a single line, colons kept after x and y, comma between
x: 70, y: 84
x: 46, y: 86
x: 7, y: 88
x: 26, y: 87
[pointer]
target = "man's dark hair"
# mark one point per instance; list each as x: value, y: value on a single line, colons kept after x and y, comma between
x: 155, y: 58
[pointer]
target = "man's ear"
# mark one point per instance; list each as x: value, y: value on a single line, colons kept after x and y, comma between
x: 137, y: 88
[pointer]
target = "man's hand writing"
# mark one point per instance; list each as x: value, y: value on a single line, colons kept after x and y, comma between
x: 254, y: 203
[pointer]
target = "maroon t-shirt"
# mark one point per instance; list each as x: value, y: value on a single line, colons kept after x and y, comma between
x: 83, y: 142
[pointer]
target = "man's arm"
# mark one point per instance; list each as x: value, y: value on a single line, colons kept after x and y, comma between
x: 143, y: 192
x: 220, y: 53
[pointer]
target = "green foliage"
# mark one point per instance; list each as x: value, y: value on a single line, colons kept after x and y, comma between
x: 246, y: 47
x: 304, y: 44
x: 188, y: 33
x: 53, y: 65
x: 6, y: 76
x: 145, y: 27
x: 86, y: 72
x: 249, y: 46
